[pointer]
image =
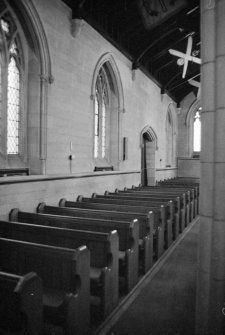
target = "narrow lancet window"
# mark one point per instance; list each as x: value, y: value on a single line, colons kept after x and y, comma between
x: 13, y: 108
x: 96, y: 128
x: 197, y: 132
x: 101, y: 114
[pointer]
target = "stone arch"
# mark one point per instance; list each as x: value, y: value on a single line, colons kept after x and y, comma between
x: 117, y: 108
x: 28, y: 12
x: 115, y: 75
x: 149, y: 144
x: 41, y: 66
x: 150, y: 134
x: 189, y: 122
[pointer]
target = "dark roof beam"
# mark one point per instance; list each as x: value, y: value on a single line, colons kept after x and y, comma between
x: 136, y: 62
x: 165, y: 65
x: 182, y: 81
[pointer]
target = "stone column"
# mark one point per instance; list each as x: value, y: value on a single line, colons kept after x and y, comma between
x: 211, y: 262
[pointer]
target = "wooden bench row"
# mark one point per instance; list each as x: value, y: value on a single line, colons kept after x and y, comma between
x: 115, y: 237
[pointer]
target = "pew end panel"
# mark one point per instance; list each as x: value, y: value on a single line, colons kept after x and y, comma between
x: 13, y: 214
x: 59, y: 270
x: 40, y: 207
x: 168, y: 227
x: 105, y: 281
x: 173, y: 221
x: 158, y: 237
x: 21, y: 307
x: 132, y: 257
x: 148, y: 242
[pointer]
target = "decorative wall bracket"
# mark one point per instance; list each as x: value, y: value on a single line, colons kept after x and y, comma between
x: 76, y: 27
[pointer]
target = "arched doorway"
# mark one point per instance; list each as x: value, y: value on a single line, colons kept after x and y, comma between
x: 148, y: 148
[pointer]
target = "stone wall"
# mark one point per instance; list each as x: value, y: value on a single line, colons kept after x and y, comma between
x: 188, y: 167
x: 27, y: 192
x: 70, y: 108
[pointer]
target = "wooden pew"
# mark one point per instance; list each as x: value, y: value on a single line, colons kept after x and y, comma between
x: 180, y: 181
x: 157, y: 191
x: 160, y: 214
x: 163, y: 210
x: 103, y: 255
x: 144, y: 217
x: 21, y: 307
x: 65, y: 279
x: 127, y: 231
x: 146, y: 202
x: 179, y: 212
x: 184, y: 183
x: 193, y: 188
x: 145, y: 225
x: 192, y: 198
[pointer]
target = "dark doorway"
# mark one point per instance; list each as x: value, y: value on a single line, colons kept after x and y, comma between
x: 148, y: 160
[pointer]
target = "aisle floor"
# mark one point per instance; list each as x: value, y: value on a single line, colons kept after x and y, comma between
x: 166, y: 305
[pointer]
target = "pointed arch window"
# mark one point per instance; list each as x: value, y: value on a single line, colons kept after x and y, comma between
x: 13, y: 105
x: 11, y: 73
x: 197, y: 132
x: 101, y: 112
x: 108, y: 106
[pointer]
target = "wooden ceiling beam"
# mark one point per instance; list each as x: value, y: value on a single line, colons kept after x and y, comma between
x: 136, y: 62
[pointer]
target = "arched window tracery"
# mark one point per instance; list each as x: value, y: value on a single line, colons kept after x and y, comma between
x: 102, y: 109
x: 11, y: 88
x: 193, y: 124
